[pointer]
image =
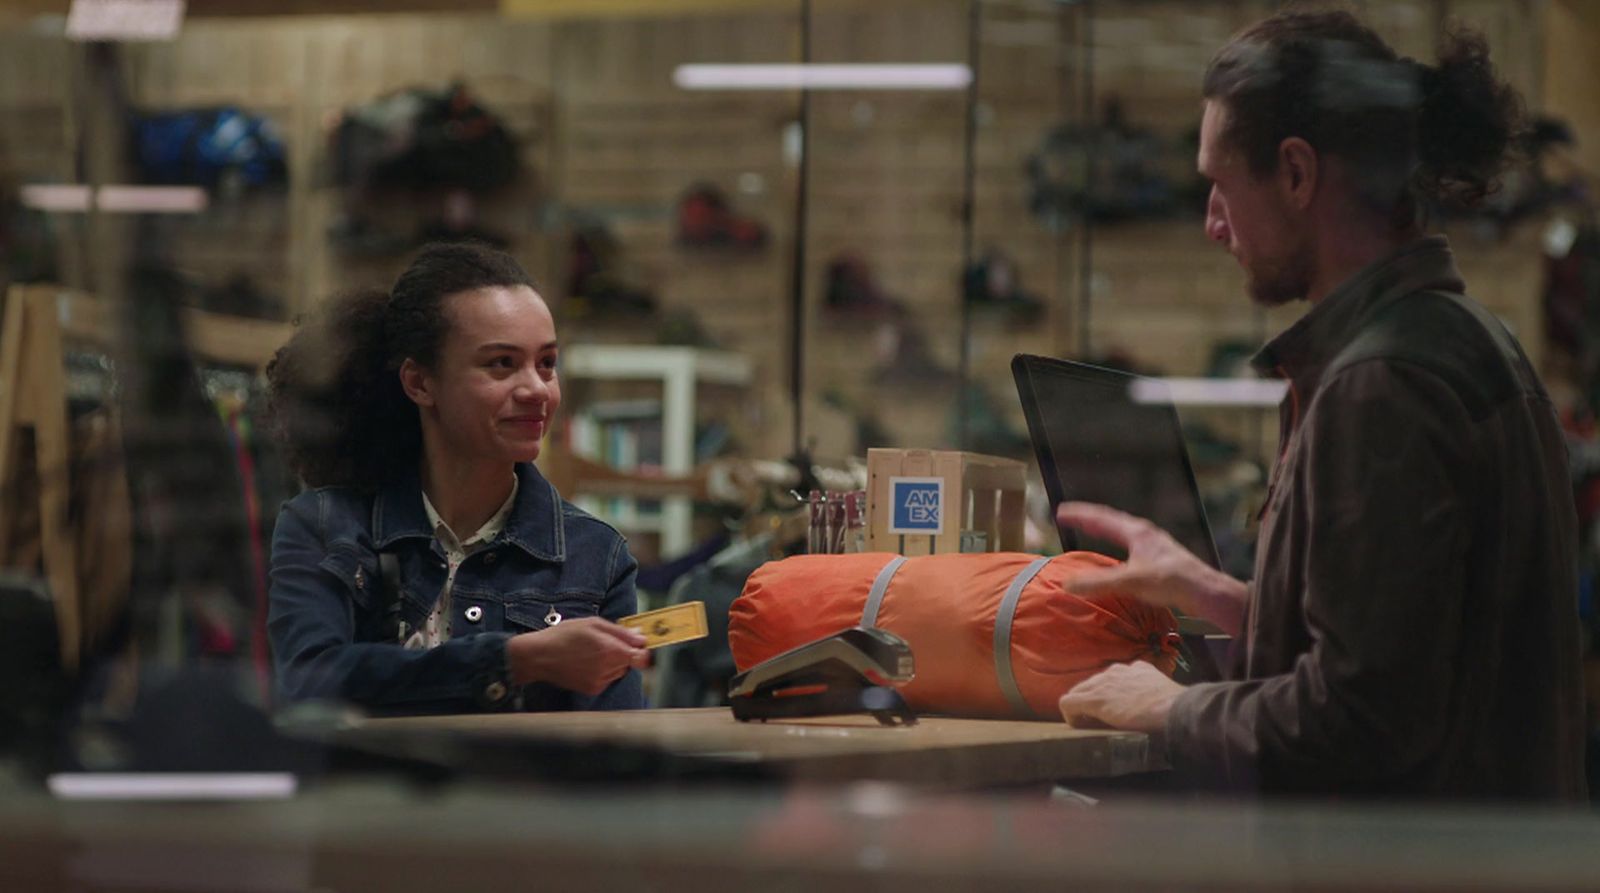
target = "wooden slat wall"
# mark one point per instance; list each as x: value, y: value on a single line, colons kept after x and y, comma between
x: 604, y: 131
x: 1572, y: 74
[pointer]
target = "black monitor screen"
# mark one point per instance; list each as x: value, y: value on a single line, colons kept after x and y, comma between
x: 1113, y: 438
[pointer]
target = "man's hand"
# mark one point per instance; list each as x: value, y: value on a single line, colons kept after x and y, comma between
x: 583, y: 655
x: 1134, y: 696
x: 1158, y: 571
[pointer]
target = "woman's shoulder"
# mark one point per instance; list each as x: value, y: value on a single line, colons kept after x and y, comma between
x: 581, y: 523
x: 332, y: 509
x: 540, y: 494
x: 590, y: 540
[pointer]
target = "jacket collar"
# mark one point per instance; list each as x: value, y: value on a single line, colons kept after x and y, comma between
x: 1304, y: 350
x: 535, y: 524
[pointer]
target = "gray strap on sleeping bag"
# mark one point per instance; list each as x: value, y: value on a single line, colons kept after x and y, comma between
x: 1002, y: 635
x: 869, y: 614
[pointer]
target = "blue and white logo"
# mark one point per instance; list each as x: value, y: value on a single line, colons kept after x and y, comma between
x: 918, y: 505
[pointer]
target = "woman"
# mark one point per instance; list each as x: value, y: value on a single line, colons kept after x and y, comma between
x: 432, y: 569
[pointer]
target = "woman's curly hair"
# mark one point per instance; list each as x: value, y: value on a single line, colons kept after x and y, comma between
x: 335, y: 400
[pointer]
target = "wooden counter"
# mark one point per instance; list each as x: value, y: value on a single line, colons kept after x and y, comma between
x: 936, y: 752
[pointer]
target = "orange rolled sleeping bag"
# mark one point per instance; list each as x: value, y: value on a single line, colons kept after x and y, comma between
x: 978, y: 652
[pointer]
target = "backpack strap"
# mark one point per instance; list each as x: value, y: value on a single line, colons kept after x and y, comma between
x: 394, y: 627
x: 1002, y: 635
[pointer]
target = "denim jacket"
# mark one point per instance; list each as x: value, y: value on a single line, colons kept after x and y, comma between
x: 332, y: 619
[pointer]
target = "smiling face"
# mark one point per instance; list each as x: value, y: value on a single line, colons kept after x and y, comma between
x: 494, y: 390
x: 1247, y: 214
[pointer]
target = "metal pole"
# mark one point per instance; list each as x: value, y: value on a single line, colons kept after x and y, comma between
x: 797, y: 282
x: 1086, y: 225
x: 968, y: 200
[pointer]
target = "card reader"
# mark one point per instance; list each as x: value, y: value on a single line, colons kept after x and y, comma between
x: 848, y: 672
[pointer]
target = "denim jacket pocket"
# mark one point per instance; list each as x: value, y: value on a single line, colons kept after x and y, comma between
x: 359, y: 574
x: 475, y: 610
x: 534, y: 612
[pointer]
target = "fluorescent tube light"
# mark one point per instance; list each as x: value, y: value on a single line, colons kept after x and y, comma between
x: 124, y: 19
x: 56, y: 198
x: 118, y: 199
x: 823, y: 77
x: 172, y: 786
x: 152, y: 199
x: 1208, y: 391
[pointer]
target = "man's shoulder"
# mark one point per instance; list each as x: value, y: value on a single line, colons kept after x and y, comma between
x: 1448, y: 336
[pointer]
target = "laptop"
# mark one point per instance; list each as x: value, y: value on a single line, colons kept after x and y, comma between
x: 1106, y: 436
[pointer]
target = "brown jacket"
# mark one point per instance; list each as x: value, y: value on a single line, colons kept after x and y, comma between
x: 1413, y: 626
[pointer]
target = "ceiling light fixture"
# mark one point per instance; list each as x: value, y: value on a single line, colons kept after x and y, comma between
x: 823, y: 77
x: 67, y: 197
x: 1208, y: 391
x: 116, y: 20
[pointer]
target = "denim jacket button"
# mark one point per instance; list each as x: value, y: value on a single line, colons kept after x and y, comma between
x: 474, y: 614
x: 494, y: 691
x: 552, y: 618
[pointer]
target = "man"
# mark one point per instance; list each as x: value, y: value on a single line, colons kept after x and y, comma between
x: 1411, y: 629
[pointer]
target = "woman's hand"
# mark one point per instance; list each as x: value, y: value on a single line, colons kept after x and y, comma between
x: 1159, y: 570
x: 584, y: 655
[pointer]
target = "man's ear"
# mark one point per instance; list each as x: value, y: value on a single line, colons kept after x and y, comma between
x: 1299, y: 171
x: 415, y: 381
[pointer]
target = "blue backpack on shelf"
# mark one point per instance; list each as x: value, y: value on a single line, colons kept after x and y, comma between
x: 204, y: 147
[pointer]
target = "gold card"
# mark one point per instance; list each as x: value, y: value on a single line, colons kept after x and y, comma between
x: 667, y: 626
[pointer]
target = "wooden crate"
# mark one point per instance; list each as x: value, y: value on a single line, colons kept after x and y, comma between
x: 979, y: 493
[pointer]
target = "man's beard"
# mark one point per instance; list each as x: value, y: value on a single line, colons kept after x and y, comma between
x: 1277, y: 283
